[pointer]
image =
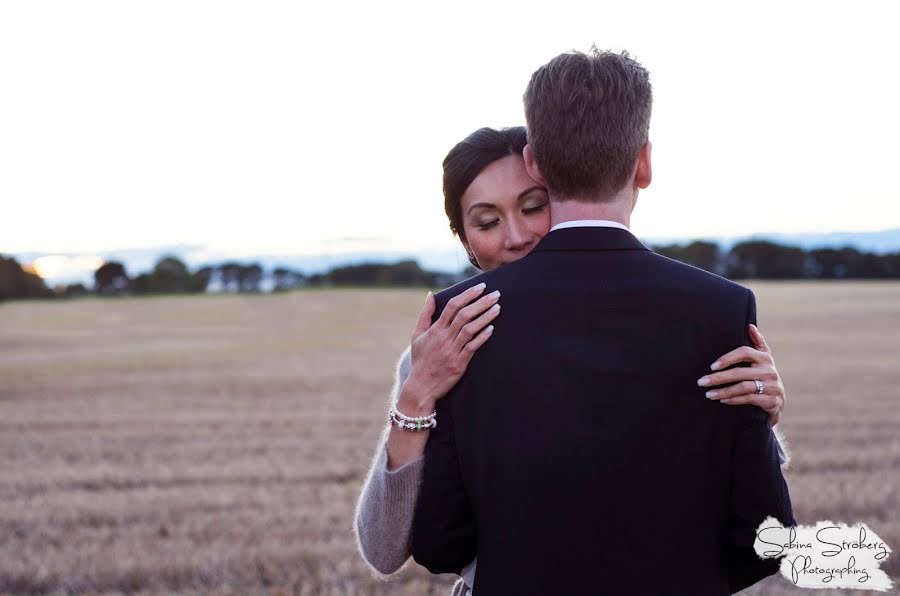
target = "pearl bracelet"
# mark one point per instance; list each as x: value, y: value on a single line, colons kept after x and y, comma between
x: 417, y: 423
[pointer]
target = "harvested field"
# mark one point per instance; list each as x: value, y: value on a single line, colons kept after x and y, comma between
x: 218, y: 443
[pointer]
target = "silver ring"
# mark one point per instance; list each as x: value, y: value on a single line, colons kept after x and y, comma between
x: 759, y: 387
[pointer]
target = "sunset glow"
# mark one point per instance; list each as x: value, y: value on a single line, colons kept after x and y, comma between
x: 56, y: 266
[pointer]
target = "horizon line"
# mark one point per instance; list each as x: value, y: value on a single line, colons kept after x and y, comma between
x: 354, y: 245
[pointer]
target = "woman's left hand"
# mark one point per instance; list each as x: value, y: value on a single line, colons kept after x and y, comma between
x: 741, y: 386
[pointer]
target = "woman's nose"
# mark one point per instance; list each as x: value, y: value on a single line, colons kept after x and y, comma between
x: 518, y: 237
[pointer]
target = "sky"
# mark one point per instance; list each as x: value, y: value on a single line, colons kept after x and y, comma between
x: 310, y: 128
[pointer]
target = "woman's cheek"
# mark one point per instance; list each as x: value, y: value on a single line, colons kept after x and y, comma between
x: 490, y: 247
x: 543, y: 224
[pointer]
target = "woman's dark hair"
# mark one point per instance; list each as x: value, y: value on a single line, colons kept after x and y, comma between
x: 468, y: 158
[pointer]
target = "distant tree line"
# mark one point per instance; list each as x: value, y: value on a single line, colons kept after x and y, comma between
x: 746, y: 260
x: 404, y: 273
x: 767, y: 260
x: 172, y: 276
x: 16, y: 282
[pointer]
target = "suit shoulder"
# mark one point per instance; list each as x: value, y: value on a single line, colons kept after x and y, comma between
x: 702, y: 279
x: 444, y: 296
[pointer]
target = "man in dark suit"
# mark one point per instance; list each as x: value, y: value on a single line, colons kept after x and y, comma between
x: 577, y: 455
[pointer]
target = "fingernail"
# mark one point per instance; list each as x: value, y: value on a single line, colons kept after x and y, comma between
x: 711, y: 394
x: 495, y: 308
x: 489, y: 329
x: 427, y: 296
x: 480, y: 286
x: 703, y: 381
x: 494, y: 294
x: 715, y: 365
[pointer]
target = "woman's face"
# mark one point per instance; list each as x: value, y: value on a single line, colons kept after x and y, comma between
x: 505, y: 213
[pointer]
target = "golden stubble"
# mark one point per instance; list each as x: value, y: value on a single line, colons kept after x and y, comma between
x: 218, y: 443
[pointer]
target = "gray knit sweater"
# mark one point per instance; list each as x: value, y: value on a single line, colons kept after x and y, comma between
x: 384, y: 512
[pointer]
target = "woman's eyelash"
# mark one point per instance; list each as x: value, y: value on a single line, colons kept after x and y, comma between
x: 529, y: 211
x: 537, y: 209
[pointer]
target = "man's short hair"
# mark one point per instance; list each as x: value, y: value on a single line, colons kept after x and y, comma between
x: 588, y: 116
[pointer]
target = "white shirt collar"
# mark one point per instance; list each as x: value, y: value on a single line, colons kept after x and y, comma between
x: 590, y: 223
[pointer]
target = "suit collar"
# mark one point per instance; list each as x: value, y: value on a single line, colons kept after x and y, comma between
x: 592, y: 238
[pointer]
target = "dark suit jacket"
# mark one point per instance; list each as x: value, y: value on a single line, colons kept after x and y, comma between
x: 577, y: 455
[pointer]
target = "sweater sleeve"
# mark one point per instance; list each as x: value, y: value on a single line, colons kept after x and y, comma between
x: 784, y: 454
x: 387, y: 502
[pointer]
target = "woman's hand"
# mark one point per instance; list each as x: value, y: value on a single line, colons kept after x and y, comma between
x: 742, y: 389
x: 442, y: 351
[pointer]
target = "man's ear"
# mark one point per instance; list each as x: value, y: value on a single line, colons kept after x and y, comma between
x: 644, y: 172
x: 531, y: 166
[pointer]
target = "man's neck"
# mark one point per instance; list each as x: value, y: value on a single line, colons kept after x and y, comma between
x: 617, y: 209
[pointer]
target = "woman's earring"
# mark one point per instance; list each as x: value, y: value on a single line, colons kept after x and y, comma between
x: 473, y: 261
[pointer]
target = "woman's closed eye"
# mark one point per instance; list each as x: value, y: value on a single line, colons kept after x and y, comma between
x: 535, y: 209
x: 527, y: 211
